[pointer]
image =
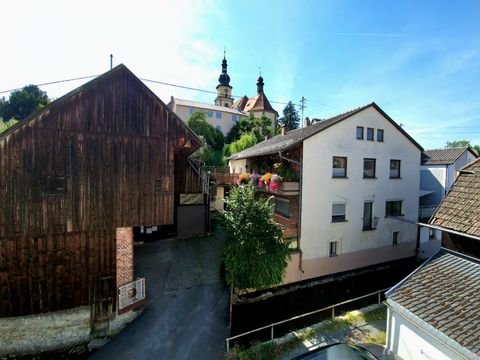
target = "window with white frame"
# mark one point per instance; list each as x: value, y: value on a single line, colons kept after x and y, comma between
x: 339, y: 167
x: 395, y: 238
x: 338, y: 212
x: 393, y: 208
x: 333, y: 248
x: 394, y: 169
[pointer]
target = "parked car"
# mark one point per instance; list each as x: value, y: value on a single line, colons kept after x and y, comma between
x: 335, y: 351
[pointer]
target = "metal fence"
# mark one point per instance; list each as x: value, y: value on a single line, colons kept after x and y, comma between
x: 332, y: 309
x: 131, y: 295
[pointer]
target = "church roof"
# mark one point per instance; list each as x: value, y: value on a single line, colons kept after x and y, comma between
x: 259, y: 103
x: 240, y: 103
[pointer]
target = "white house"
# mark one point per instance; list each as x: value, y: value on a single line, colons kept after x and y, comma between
x: 433, y: 313
x: 437, y: 174
x: 220, y: 117
x: 356, y: 172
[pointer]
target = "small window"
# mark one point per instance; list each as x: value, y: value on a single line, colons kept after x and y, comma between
x: 282, y: 207
x: 395, y: 238
x: 339, y: 168
x: 226, y: 104
x: 369, y: 168
x: 333, y: 248
x: 370, y: 134
x: 380, y: 135
x: 368, y: 220
x: 55, y: 186
x: 394, y: 169
x: 218, y: 115
x: 338, y: 212
x: 393, y: 208
x: 359, y: 132
x: 210, y: 114
x: 234, y: 117
x: 190, y: 111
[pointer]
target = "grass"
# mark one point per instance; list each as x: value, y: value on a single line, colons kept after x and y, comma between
x: 272, y: 350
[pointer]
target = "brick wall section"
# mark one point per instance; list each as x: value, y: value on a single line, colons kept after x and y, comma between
x: 124, y: 255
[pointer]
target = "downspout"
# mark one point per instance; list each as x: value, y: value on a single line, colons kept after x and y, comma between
x: 299, y: 215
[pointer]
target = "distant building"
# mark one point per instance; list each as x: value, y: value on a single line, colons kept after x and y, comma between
x: 226, y: 112
x: 437, y: 173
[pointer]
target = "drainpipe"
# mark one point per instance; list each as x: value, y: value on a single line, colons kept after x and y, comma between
x: 299, y: 215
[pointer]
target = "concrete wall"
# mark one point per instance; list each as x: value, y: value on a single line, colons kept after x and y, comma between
x: 433, y: 178
x: 44, y: 332
x: 410, y: 342
x: 363, y: 247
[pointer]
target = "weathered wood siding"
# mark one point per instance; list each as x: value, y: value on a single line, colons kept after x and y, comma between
x: 99, y: 158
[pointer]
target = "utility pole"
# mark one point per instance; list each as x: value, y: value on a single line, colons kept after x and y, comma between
x: 111, y: 61
x: 302, y: 106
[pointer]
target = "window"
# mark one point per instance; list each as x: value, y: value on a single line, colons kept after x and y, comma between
x: 393, y: 208
x: 339, y: 169
x: 370, y: 134
x: 219, y: 127
x: 359, y: 132
x: 55, y: 186
x: 333, y: 248
x: 368, y: 168
x: 431, y: 233
x: 367, y: 215
x: 338, y: 212
x: 225, y: 104
x: 210, y: 114
x: 234, y: 117
x: 190, y: 111
x: 394, y: 169
x: 380, y: 135
x: 395, y: 238
x: 218, y: 115
x: 282, y: 207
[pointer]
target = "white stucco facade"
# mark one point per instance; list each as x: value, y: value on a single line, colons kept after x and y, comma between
x: 415, y: 340
x: 356, y: 247
x: 220, y: 117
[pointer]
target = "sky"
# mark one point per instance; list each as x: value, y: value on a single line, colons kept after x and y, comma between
x: 418, y: 60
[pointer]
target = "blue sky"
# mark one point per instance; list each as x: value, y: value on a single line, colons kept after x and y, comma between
x: 418, y: 60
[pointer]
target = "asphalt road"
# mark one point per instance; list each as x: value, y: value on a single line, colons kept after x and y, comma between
x: 187, y: 312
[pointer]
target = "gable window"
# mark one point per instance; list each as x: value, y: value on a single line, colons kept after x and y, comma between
x: 333, y: 248
x: 359, y: 132
x: 395, y: 238
x: 338, y: 212
x: 370, y: 134
x: 394, y: 169
x: 393, y: 208
x: 282, y: 207
x: 368, y: 215
x: 210, y: 114
x: 380, y: 135
x: 369, y: 168
x: 339, y: 168
x: 218, y: 115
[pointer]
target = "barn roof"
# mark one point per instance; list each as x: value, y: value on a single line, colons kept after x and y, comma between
x: 116, y: 71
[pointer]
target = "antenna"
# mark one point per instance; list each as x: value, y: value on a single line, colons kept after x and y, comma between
x: 111, y: 61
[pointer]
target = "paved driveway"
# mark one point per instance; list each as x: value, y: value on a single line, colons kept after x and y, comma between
x: 187, y: 312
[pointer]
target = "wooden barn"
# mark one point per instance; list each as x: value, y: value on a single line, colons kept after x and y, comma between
x: 75, y: 178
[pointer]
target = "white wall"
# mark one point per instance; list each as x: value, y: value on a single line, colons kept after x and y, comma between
x: 321, y: 190
x: 239, y: 166
x: 410, y: 342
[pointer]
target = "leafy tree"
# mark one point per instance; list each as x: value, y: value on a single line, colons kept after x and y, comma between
x: 260, y: 127
x: 462, y: 143
x: 23, y: 102
x: 5, y: 125
x: 198, y: 123
x: 255, y: 255
x: 290, y: 119
x: 246, y: 140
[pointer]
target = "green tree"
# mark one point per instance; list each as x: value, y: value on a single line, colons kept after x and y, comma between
x: 23, y: 102
x: 5, y: 125
x: 290, y: 119
x: 255, y: 255
x: 213, y: 136
x: 246, y: 140
x: 260, y: 127
x: 462, y: 143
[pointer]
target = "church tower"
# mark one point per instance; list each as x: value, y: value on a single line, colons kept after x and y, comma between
x: 224, y: 90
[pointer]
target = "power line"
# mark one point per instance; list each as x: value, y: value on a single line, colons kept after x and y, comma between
x: 52, y: 83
